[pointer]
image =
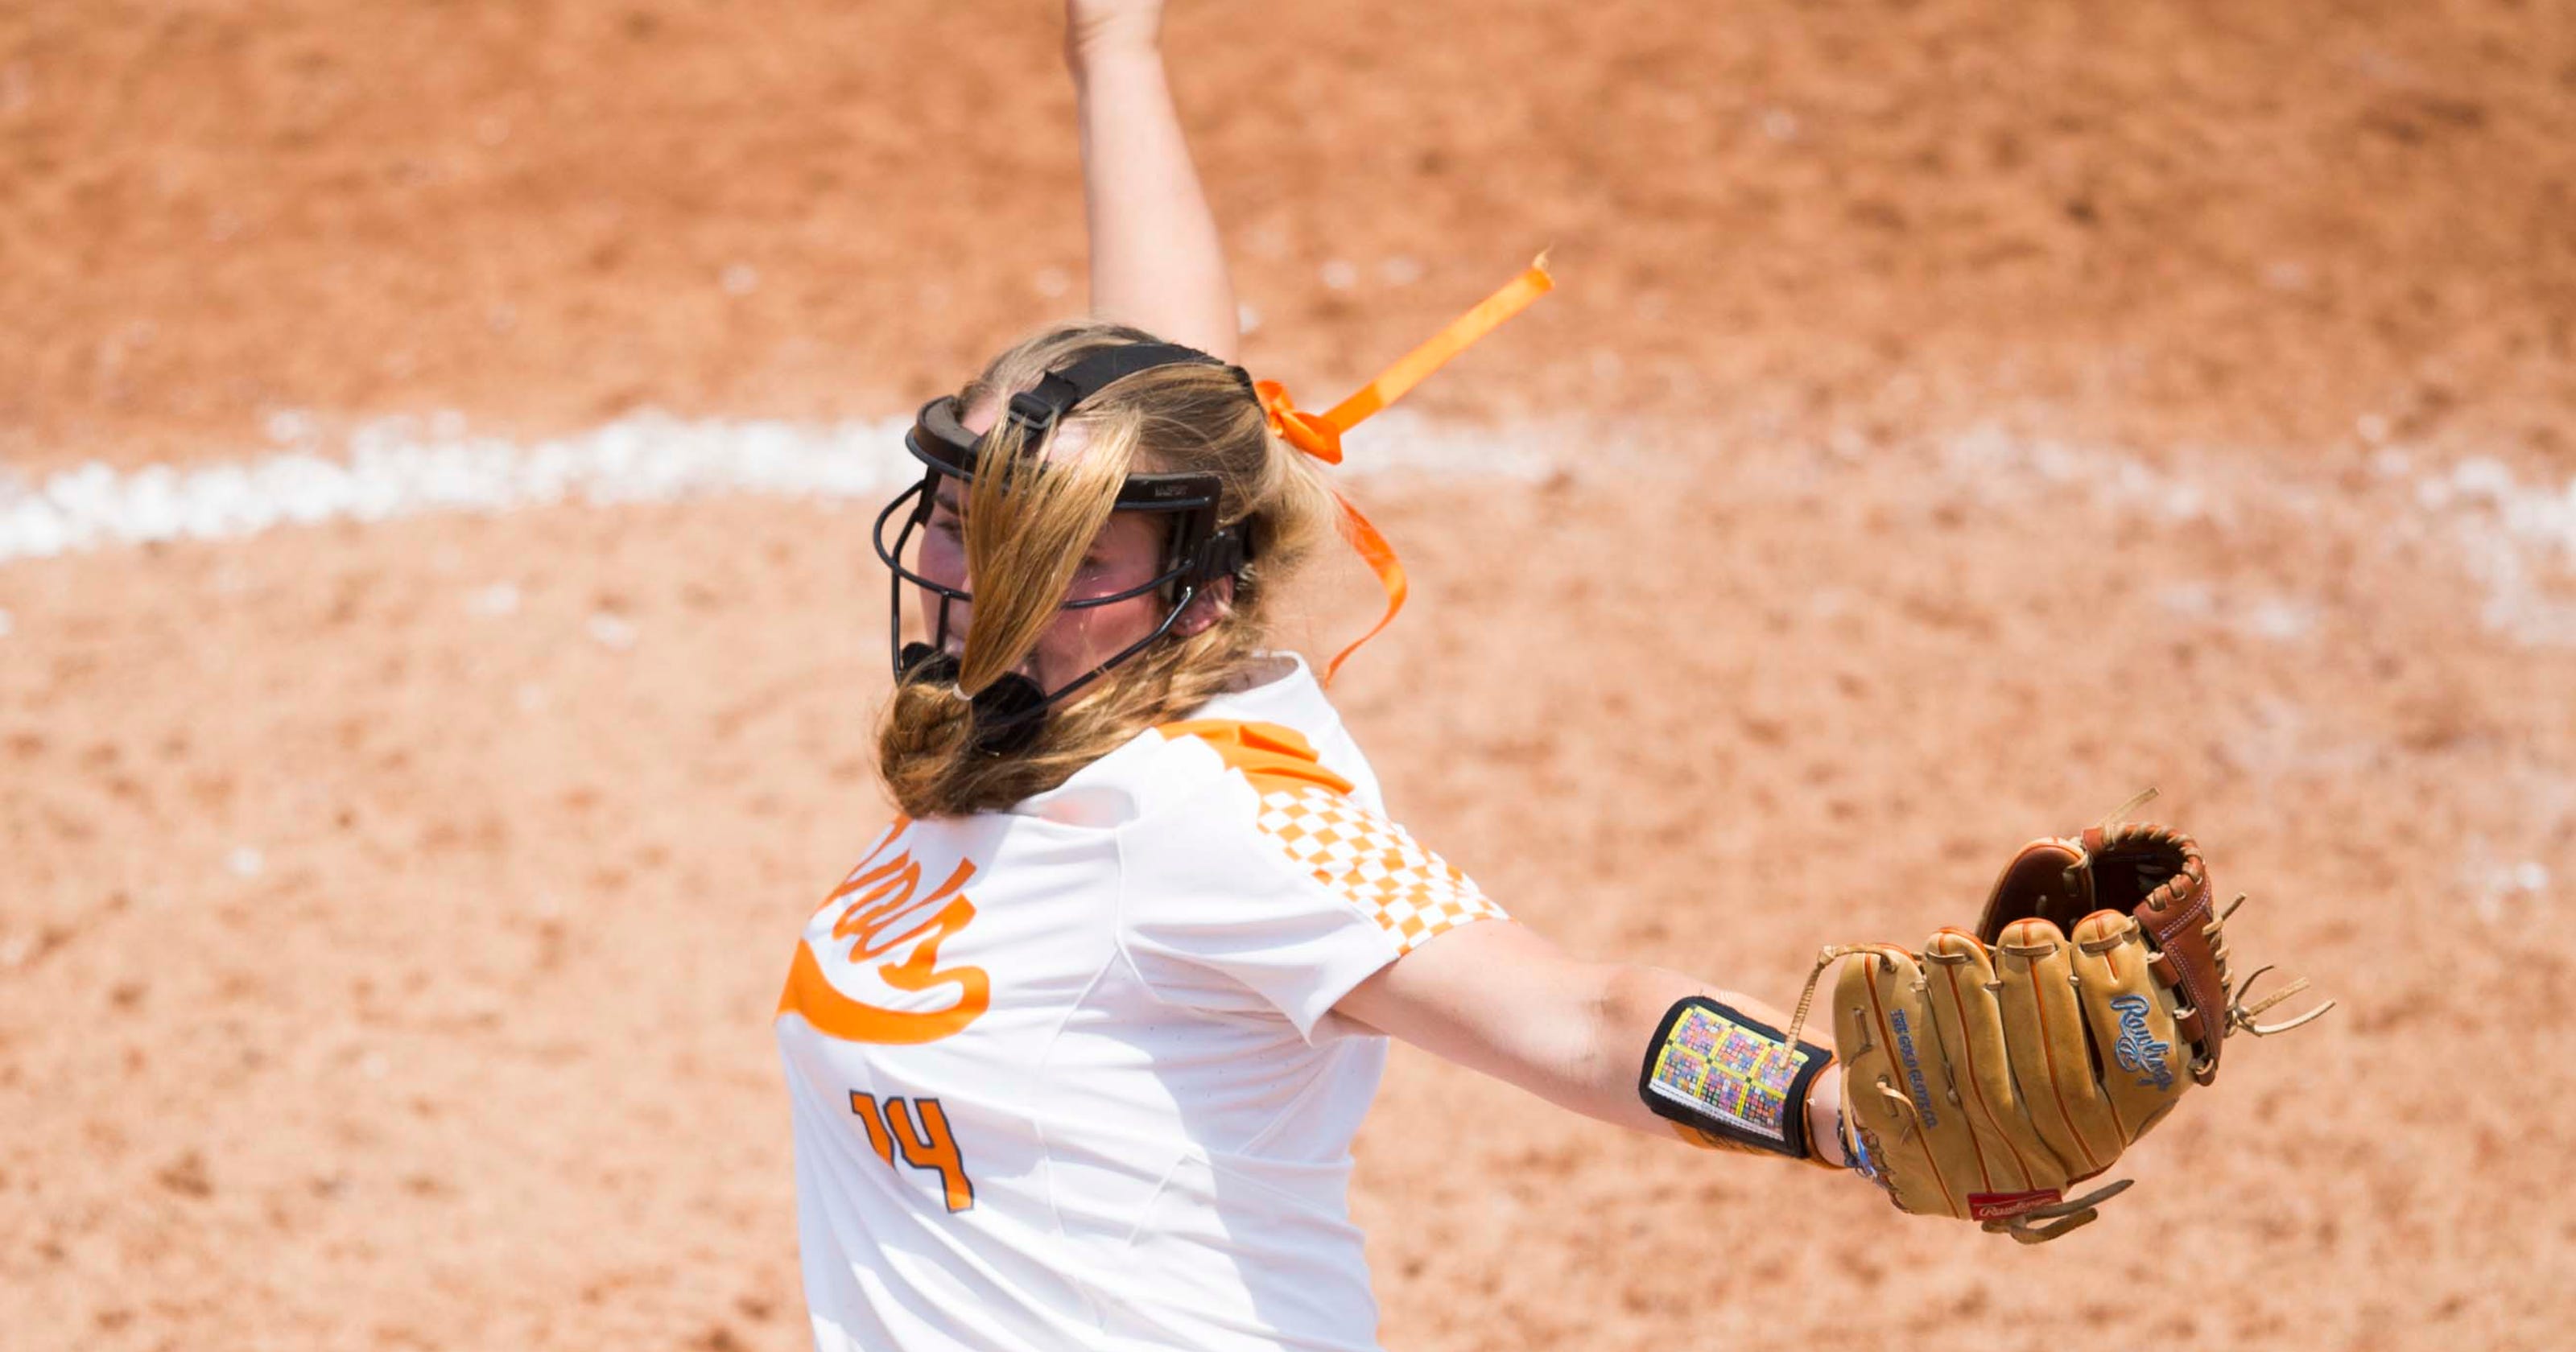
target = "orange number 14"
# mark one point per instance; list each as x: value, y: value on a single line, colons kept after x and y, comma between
x: 920, y: 1131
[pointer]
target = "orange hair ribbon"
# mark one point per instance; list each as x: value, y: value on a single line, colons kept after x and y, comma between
x: 1320, y: 435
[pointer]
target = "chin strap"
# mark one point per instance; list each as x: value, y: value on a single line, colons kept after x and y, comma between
x: 1320, y: 435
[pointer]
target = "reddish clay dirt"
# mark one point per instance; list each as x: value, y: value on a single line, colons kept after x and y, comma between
x: 1971, y: 412
x: 2186, y: 222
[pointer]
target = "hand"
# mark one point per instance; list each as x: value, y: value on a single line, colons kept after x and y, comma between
x: 1093, y: 26
x: 1825, y: 1116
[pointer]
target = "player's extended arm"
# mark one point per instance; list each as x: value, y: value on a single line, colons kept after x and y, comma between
x: 1156, y: 261
x: 1497, y: 997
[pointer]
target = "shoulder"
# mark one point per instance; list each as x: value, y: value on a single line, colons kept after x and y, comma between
x: 1268, y: 756
x: 1280, y: 731
x: 1282, y: 801
x: 1213, y: 777
x: 1201, y: 768
x: 1288, y: 715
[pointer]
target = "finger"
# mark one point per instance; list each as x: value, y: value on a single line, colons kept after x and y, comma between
x: 2051, y: 1053
x: 2132, y: 1021
x: 1897, y: 1088
x: 2014, y: 1159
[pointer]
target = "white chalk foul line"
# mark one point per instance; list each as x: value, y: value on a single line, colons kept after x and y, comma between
x: 2517, y: 539
x: 387, y: 471
x: 394, y: 469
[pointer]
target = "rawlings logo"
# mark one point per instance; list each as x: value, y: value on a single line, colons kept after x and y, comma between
x: 1913, y: 1070
x: 2138, y: 1051
x: 1996, y: 1206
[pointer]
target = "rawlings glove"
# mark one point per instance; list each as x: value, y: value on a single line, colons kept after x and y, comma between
x: 1988, y: 1074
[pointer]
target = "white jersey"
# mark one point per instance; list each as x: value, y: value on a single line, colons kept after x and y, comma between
x: 1068, y: 1076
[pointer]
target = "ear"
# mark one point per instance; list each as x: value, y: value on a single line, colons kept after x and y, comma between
x: 1205, y: 609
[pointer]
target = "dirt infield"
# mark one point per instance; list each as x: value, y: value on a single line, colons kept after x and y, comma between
x: 1964, y: 414
x: 2187, y: 221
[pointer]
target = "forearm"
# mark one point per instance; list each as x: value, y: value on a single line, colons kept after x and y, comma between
x: 1500, y: 999
x: 1156, y: 259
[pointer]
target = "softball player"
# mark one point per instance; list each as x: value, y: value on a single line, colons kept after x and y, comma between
x: 1076, y: 1052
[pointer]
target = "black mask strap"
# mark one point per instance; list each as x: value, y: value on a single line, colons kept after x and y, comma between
x: 1059, y: 392
x: 1007, y: 713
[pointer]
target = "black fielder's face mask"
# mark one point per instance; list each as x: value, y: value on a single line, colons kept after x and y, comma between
x: 1010, y: 712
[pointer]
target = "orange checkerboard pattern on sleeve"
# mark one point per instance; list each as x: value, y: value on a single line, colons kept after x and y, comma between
x: 1411, y: 892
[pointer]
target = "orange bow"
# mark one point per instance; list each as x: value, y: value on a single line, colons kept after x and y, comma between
x: 1320, y: 435
x: 1314, y: 435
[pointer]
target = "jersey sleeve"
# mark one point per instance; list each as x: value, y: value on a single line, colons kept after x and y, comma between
x: 1281, y: 897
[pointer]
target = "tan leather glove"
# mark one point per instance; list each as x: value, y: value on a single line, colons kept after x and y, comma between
x: 1992, y: 1072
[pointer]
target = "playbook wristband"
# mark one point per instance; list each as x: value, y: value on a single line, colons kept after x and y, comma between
x: 1723, y: 1073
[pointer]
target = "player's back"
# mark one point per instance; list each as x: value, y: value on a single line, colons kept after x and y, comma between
x: 1067, y: 1076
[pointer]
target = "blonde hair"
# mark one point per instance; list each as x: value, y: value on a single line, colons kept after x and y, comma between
x: 1026, y: 532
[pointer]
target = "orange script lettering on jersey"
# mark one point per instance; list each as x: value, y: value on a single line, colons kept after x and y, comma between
x: 882, y: 910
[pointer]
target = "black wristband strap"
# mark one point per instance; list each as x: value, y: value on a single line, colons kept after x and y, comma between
x: 1713, y: 1068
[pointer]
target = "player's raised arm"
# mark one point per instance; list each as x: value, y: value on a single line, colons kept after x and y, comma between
x: 1156, y: 261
